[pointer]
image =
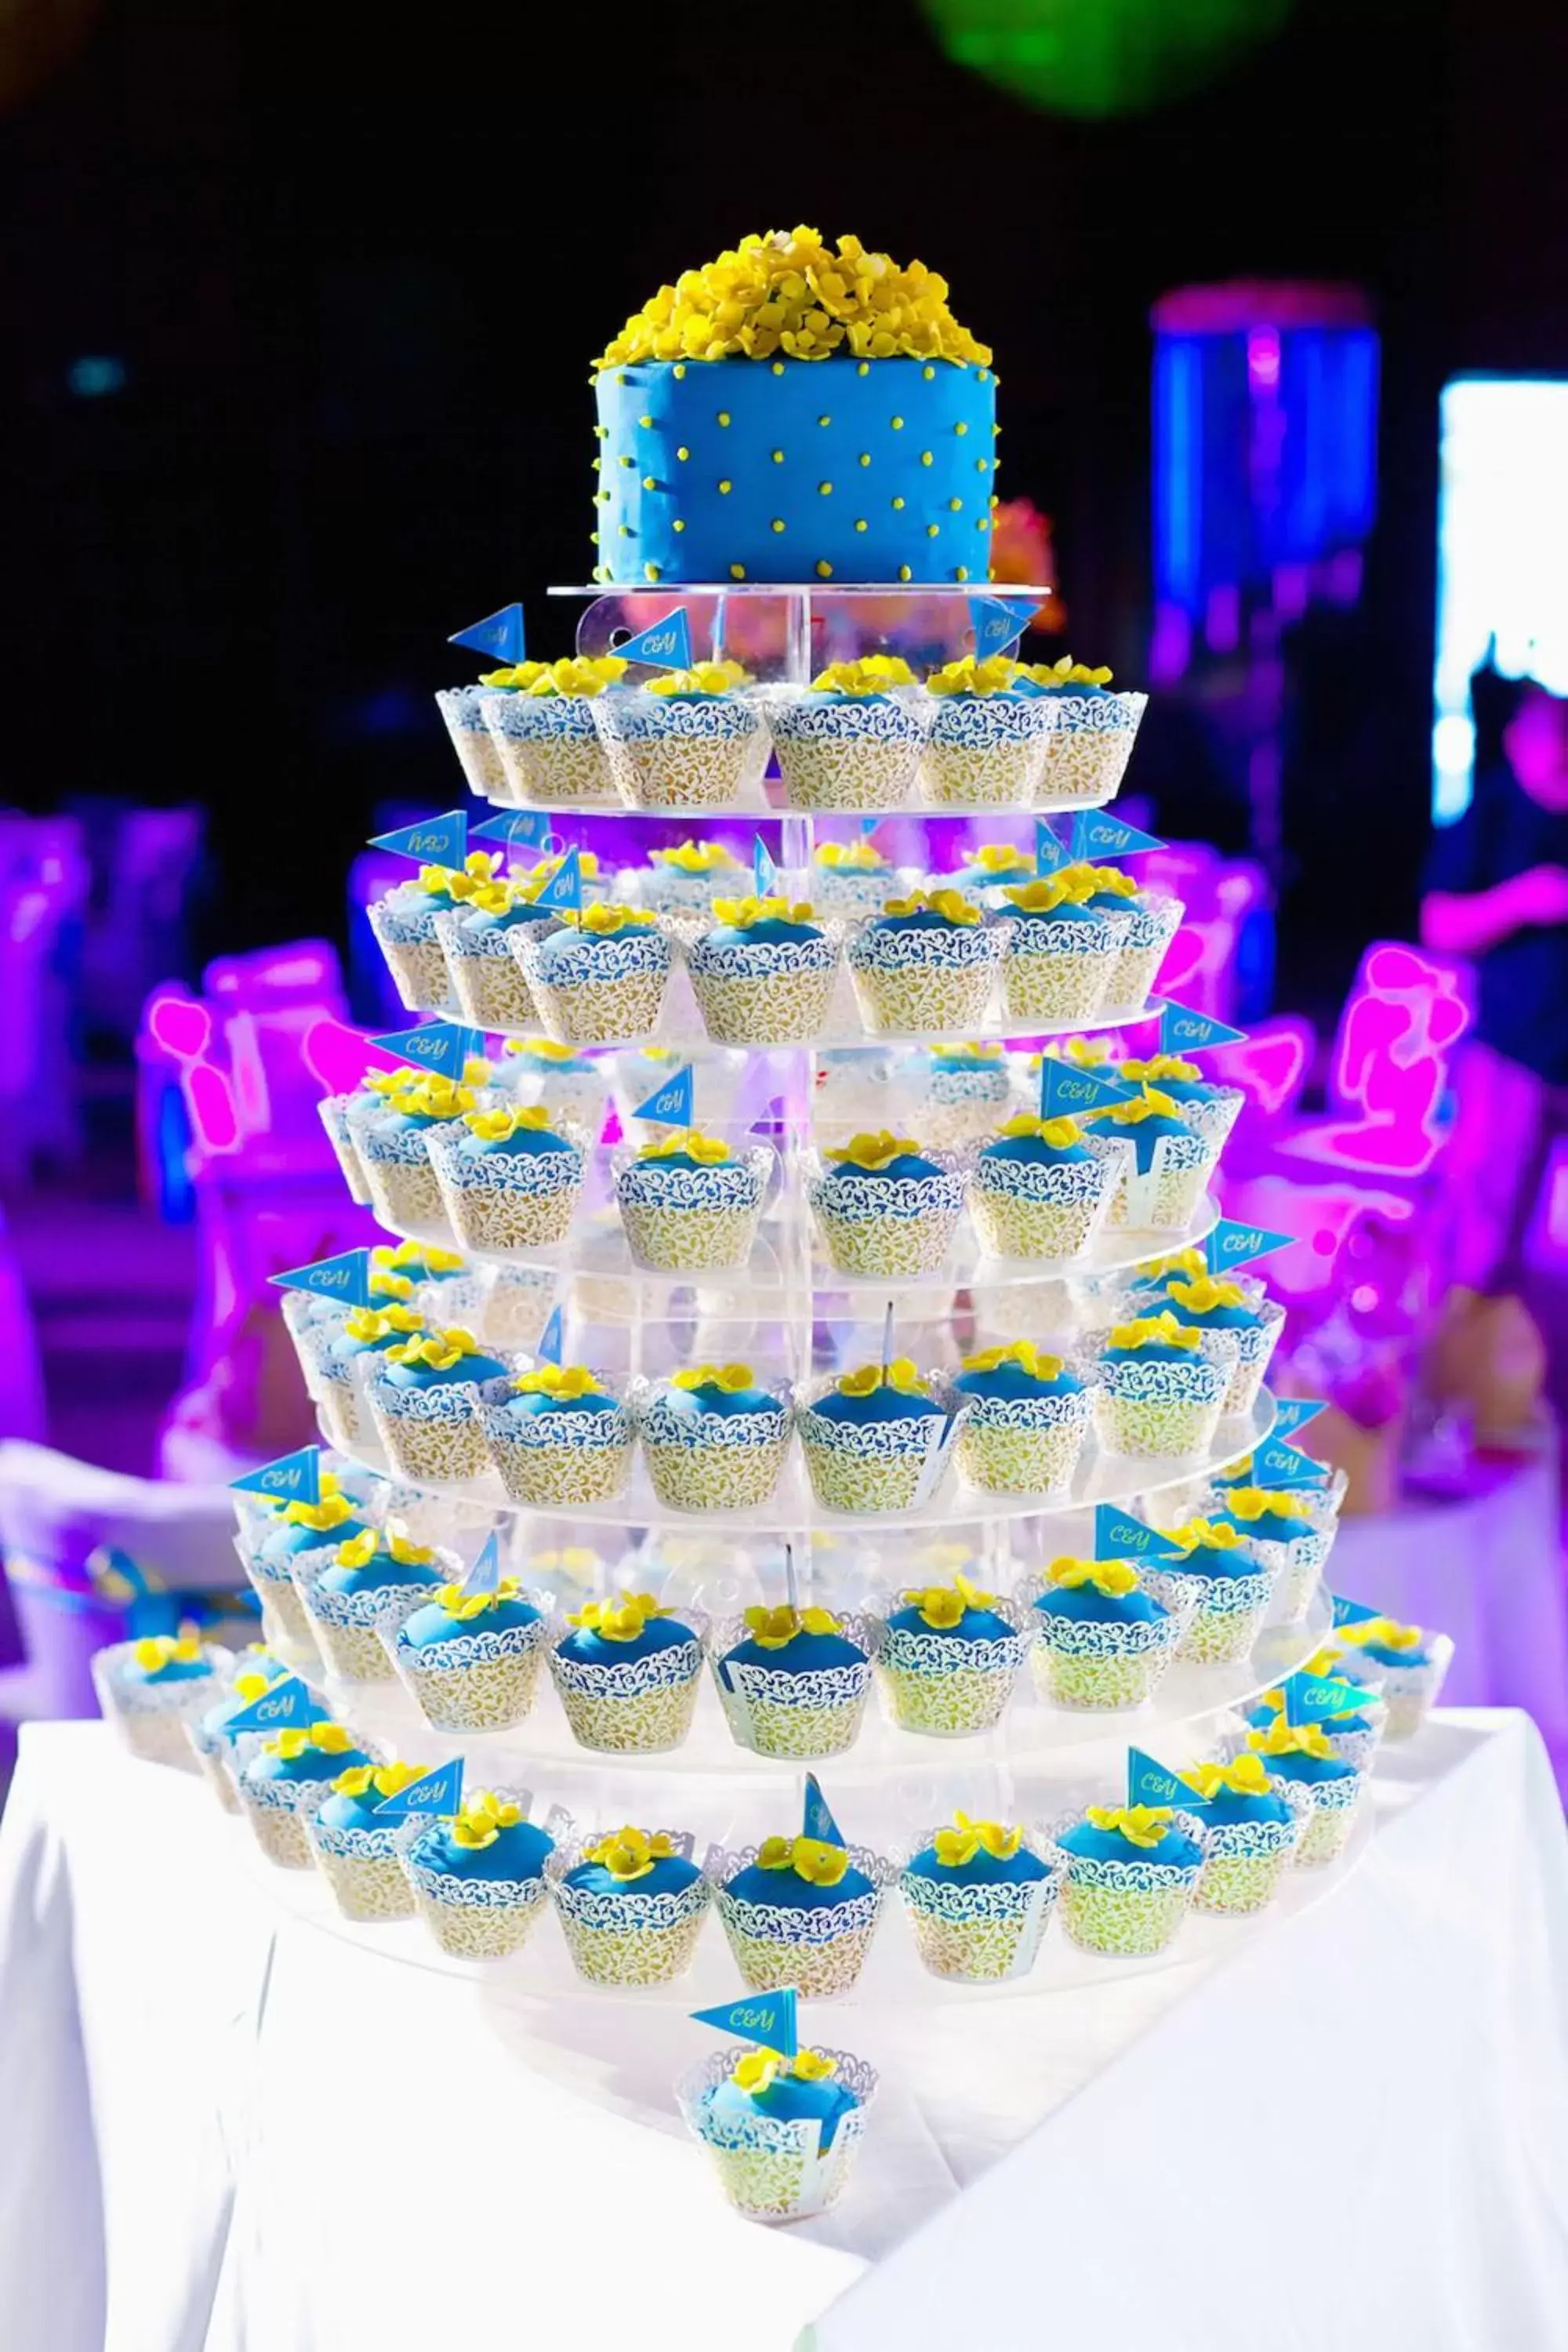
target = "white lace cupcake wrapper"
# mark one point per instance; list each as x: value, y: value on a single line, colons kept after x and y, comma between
x: 462, y: 709
x: 404, y: 923
x: 664, y: 753
x: 980, y: 1934
x: 1242, y: 1882
x: 852, y: 754
x: 583, y: 959
x: 333, y: 1110
x: 773, y: 2168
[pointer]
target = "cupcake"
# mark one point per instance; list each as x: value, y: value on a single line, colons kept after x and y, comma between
x: 1411, y: 1665
x: 1091, y: 743
x: 986, y: 748
x: 688, y: 1203
x: 852, y: 739
x: 1162, y: 1187
x: 1042, y: 1188
x: 962, y: 1092
x: 875, y: 1439
x: 800, y: 1912
x: 1235, y: 1331
x: 948, y: 1657
x: 346, y: 1357
x: 850, y: 877
x: 395, y: 1144
x: 979, y: 1895
x: 1027, y: 1422
x: 150, y: 1690
x: 763, y: 975
x: 339, y: 1115
x: 1249, y: 1835
x: 1209, y: 1110
x: 508, y: 1181
x: 600, y: 976
x: 559, y: 1437
x: 486, y: 978
x: 630, y: 1903
x: 423, y: 1264
x: 537, y: 1074
x: 470, y: 1659
x: 1057, y: 954
x: 463, y: 709
x: 1284, y: 1538
x: 210, y: 1736
x: 283, y: 1777
x: 714, y: 1437
x: 925, y: 963
x: 1101, y: 1637
x: 1130, y: 1872
x: 541, y: 721
x: 1298, y: 1757
x: 372, y: 1581
x: 297, y: 1531
x: 686, y: 739
x: 1152, y: 921
x: 404, y: 923
x: 1235, y: 1592
x: 793, y: 1681
x: 479, y: 1877
x: 987, y: 871
x: 627, y: 1673
x: 1157, y: 1396
x: 358, y: 1855
x: 783, y: 2132
x: 687, y: 881
x: 886, y: 1206
x: 425, y: 1401
x: 1353, y: 1735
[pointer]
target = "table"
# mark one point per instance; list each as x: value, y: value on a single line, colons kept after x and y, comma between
x: 226, y: 2130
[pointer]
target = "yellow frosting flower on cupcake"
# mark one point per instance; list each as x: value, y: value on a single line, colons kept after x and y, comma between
x: 434, y: 1097
x: 995, y: 675
x: 960, y: 1844
x: 601, y: 919
x: 334, y: 1507
x: 759, y: 2070
x: 563, y: 1382
x: 573, y: 675
x: 1150, y: 1104
x: 942, y: 1606
x: 457, y: 1601
x: 1162, y: 1065
x: 1113, y: 1579
x: 296, y: 1739
x: 1387, y: 1631
x: 951, y: 905
x: 1189, y: 1263
x: 499, y: 1126
x: 1160, y: 1331
x: 442, y: 1350
x: 771, y: 1629
x: 1283, y: 1738
x: 872, y: 1151
x: 696, y: 857
x: 1206, y: 1535
x: 731, y: 1378
x: 1083, y: 1053
x: 483, y: 1820
x: 872, y: 674
x: 1206, y: 1294
x: 1141, y: 1825
x: 703, y: 677
x: 901, y: 1375
x: 813, y: 1859
x: 621, y: 1617
x: 999, y: 857
x: 366, y: 1325
x: 1066, y: 672
x: 848, y: 856
x: 1244, y: 1776
x: 156, y: 1651
x: 1042, y: 896
x: 1022, y: 1352
x: 385, y: 1779
x: 741, y: 913
x: 706, y: 1150
x: 1261, y: 1503
x: 629, y: 1853
x: 1059, y: 1133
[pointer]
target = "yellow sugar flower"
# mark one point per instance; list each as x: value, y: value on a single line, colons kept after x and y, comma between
x: 1283, y: 1738
x: 572, y: 675
x: 1206, y: 1294
x: 326, y: 1739
x: 1067, y: 672
x: 706, y: 1150
x: 999, y: 857
x: 538, y: 1049
x: 500, y: 1125
x: 1387, y: 1631
x: 385, y: 1780
x: 1160, y: 1331
x: 1141, y: 1825
x: 731, y: 1378
x: 703, y: 677
x: 331, y: 1510
x: 1043, y: 896
x: 1083, y: 1053
x: 873, y: 674
x: 960, y: 1844
x: 628, y: 1853
x: 901, y: 1375
x: 155, y: 1651
x: 434, y: 1097
x: 1189, y: 1262
x: 741, y: 913
x: 942, y: 1606
x: 771, y: 1629
x: 1112, y: 1578
x: 599, y: 920
x: 621, y: 1617
x: 873, y: 1151
x: 441, y: 1351
x: 992, y: 675
x: 1162, y: 1065
x: 483, y: 1820
x: 368, y: 1324
x: 1244, y: 1776
x: 563, y: 1380
x: 1261, y: 1503
x: 696, y: 857
x: 951, y: 905
x: 1059, y: 1133
x: 465, y: 1606
x: 1022, y: 1352
x: 819, y: 1864
x: 1206, y: 1535
x: 848, y: 856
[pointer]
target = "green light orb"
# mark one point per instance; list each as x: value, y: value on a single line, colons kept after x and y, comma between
x: 1101, y: 56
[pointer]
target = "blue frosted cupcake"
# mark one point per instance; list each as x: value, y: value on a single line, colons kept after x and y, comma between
x: 359, y: 1854
x: 688, y: 740
x: 687, y: 881
x: 886, y: 1205
x: 851, y: 877
x: 295, y: 1531
x: 374, y: 1580
x: 559, y: 1437
x: 150, y: 1690
x: 541, y: 720
x: 1157, y: 1397
x: 1410, y: 1666
x: 925, y: 963
x: 425, y: 1401
x: 714, y: 1437
x: 404, y: 923
x: 1162, y: 1188
x: 783, y: 2132
x: 1090, y: 742
x: 558, y: 1079
x: 1299, y: 1760
x: 763, y: 975
x: 600, y: 976
x: 472, y: 1659
x: 1249, y: 1835
x: 1041, y: 1188
x: 1101, y: 1638
x: 800, y: 1912
x: 688, y: 1203
x: 986, y: 748
x: 875, y: 1439
x: 394, y: 1148
x: 1354, y: 1735
x: 851, y: 740
x: 1059, y: 954
x: 424, y: 1266
x: 479, y: 1877
x: 486, y: 978
x: 211, y: 1739
x: 793, y: 1681
x: 282, y: 1778
x: 1130, y: 1873
x: 1235, y: 1592
x: 1154, y: 920
x: 631, y: 1903
x: 626, y: 1671
x: 1283, y: 1536
x: 987, y: 871
x: 1208, y: 1109
x: 979, y: 1895
x: 948, y: 1657
x: 508, y: 1181
x: 1235, y: 1330
x: 346, y: 1356
x: 1027, y: 1422
x: 462, y: 708
x: 963, y: 1091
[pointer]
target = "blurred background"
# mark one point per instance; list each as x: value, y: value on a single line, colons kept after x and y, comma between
x: 299, y: 310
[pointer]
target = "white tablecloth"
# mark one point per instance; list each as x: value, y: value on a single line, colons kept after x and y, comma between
x: 224, y: 2128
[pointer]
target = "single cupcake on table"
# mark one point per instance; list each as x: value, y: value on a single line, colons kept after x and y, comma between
x: 472, y: 1659
x: 979, y: 1895
x: 425, y: 1401
x: 281, y: 1778
x: 875, y: 1439
x: 793, y: 1681
x: 345, y: 1358
x: 886, y: 1205
x: 540, y: 719
x: 688, y: 740
x: 963, y: 1091
x: 714, y: 1437
x: 486, y: 978
x: 630, y: 1903
x: 359, y: 1854
x: 1130, y: 1873
x: 394, y: 1143
x: 1298, y: 1757
x: 1026, y: 1423
x: 987, y: 871
x: 626, y: 1672
x: 1162, y: 1188
x: 851, y: 740
x: 925, y: 963
x: 1154, y: 919
x: 1059, y: 954
x: 948, y: 1657
x: 1101, y: 1638
x: 763, y: 975
x: 800, y: 1912
x: 1235, y: 1330
x: 1157, y: 1397
x: 1249, y: 1835
x: 149, y: 1690
x: 462, y: 708
x: 509, y: 1179
x: 783, y: 2132
x: 404, y: 923
x: 1090, y: 742
x: 598, y: 977
x: 477, y: 1875
x: 986, y: 748
x: 1283, y: 1537
x: 372, y: 1580
x: 537, y: 1073
x: 297, y: 1531
x: 1411, y: 1664
x: 851, y: 877
x: 1042, y: 1188
x: 1235, y: 1592
x: 687, y: 881
x: 1208, y: 1109
x: 689, y: 1204
x: 559, y: 1435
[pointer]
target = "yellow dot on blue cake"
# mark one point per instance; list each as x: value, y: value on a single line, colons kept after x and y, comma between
x: 824, y: 489
x: 928, y: 372
x: 778, y: 367
x: 683, y: 455
x: 724, y: 416
x: 737, y: 571
x: 864, y: 367
x: 650, y: 570
x: 778, y: 523
x: 724, y: 489
x: 824, y: 420
x: 904, y: 572
x: 626, y: 530
x: 677, y: 524
x: 649, y: 483
x: 897, y: 502
x: 626, y: 461
x: 860, y: 522
x: 925, y: 458
x: 982, y: 465
x: 864, y: 457
x: 647, y: 421
x: 897, y: 424
x: 961, y: 572
x: 680, y: 371
x: 984, y: 376
x: 961, y: 428
x: 824, y: 571
x: 932, y: 529
x: 954, y: 506
x: 983, y: 524
x: 778, y: 457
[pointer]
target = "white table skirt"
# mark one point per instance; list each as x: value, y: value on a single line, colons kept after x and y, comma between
x: 223, y: 2130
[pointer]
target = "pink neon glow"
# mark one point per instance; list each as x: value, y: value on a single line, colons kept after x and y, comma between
x: 214, y: 1123
x: 338, y: 1055
x: 1271, y: 1065
x: 180, y: 1025
x: 1325, y: 1215
x: 1263, y: 358
x: 1401, y: 1021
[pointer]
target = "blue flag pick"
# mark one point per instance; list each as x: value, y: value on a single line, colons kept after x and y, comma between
x: 441, y: 1046
x: 527, y: 828
x: 1292, y: 1413
x: 286, y: 1702
x: 1119, y: 1536
x: 1048, y: 851
x: 1097, y: 835
x: 434, y: 841
x: 434, y: 1796
x: 868, y: 826
x: 665, y: 645
x: 564, y: 888
x: 1353, y: 1612
x: 499, y: 636
x: 345, y: 1277
x: 1275, y: 1464
x: 998, y: 623
x: 1309, y: 1698
x: 764, y: 873
x: 1067, y: 1092
x: 485, y: 1574
x: 292, y: 1478
x: 765, y: 2017
x: 818, y: 1819
x: 1183, y: 1031
x: 670, y: 1103
x: 1149, y: 1783
x: 549, y: 1339
x: 1230, y: 1244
